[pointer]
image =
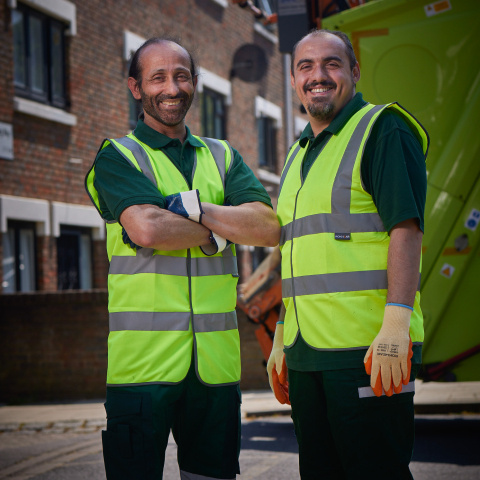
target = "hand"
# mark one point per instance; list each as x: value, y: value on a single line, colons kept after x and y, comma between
x: 277, y: 368
x: 186, y: 204
x: 127, y: 241
x: 389, y: 359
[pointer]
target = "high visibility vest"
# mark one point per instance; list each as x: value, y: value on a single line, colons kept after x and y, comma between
x: 165, y: 304
x: 333, y: 243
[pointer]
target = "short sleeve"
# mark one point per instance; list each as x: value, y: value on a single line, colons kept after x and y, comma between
x: 119, y: 185
x: 394, y: 171
x: 242, y: 186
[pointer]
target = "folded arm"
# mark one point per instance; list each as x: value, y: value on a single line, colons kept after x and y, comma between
x: 247, y: 224
x: 150, y: 226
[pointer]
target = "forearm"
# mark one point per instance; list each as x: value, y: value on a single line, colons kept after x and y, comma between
x: 403, y: 262
x: 248, y: 224
x: 152, y: 227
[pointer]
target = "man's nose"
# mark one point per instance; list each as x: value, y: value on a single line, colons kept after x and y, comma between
x: 320, y: 73
x: 171, y: 87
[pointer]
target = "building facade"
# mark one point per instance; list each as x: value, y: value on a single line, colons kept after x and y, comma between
x: 63, y: 90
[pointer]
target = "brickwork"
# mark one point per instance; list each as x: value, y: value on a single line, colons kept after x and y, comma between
x: 47, y: 264
x: 53, y: 346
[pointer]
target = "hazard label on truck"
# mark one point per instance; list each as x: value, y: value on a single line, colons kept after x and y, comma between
x: 447, y: 270
x: 437, y: 7
x: 473, y: 220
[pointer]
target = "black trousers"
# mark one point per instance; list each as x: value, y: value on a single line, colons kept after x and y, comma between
x: 344, y: 434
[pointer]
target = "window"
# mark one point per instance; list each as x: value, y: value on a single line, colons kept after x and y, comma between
x: 213, y: 114
x: 39, y: 56
x: 19, y: 257
x: 134, y: 110
x: 74, y: 257
x: 267, y: 143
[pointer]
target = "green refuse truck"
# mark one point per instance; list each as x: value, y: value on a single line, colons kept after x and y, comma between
x: 426, y: 56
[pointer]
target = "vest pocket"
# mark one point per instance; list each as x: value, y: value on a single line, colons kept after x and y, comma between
x: 128, y: 441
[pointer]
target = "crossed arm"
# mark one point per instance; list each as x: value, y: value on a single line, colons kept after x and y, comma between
x: 248, y: 224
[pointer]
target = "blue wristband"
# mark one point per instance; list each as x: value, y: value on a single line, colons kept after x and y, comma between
x: 399, y: 305
x: 280, y: 323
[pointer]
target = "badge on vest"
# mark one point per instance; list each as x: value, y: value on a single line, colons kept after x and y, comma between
x: 342, y: 236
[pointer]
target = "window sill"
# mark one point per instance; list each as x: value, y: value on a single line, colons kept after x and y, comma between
x: 46, y: 112
x: 267, y: 176
x: 259, y: 28
x: 222, y: 3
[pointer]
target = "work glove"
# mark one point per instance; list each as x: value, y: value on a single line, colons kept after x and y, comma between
x: 217, y: 244
x: 186, y: 204
x: 277, y: 368
x: 127, y: 241
x: 389, y: 359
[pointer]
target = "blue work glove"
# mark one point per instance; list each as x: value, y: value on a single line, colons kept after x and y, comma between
x: 127, y: 241
x: 186, y: 204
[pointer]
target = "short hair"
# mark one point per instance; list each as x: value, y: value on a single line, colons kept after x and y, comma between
x: 348, y: 45
x: 135, y: 69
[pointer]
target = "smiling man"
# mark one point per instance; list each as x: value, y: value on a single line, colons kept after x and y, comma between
x: 173, y: 347
x: 351, y: 210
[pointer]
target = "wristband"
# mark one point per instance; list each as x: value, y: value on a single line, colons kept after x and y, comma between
x: 398, y: 305
x: 280, y: 322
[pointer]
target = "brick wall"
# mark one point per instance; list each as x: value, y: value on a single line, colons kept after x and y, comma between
x: 53, y: 346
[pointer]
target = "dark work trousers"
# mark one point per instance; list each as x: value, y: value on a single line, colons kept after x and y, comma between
x: 343, y: 433
x: 205, y: 422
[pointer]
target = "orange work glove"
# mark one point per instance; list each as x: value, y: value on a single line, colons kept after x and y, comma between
x: 389, y: 359
x: 277, y: 368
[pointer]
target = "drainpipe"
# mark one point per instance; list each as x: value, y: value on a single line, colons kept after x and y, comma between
x: 288, y: 101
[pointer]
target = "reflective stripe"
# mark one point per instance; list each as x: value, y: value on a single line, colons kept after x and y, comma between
x: 287, y: 167
x: 217, y: 149
x: 140, y: 155
x: 168, y: 265
x: 215, y: 322
x: 335, y: 282
x: 231, y: 157
x: 149, y: 321
x: 332, y: 223
x: 365, y: 392
x: 342, y: 185
x: 194, y: 476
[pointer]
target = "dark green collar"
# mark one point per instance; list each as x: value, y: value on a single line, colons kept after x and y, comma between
x: 352, y: 107
x: 157, y: 140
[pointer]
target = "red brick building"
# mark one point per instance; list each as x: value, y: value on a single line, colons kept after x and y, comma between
x: 63, y: 90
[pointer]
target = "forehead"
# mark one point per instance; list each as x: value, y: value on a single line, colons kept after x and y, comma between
x: 320, y: 46
x: 164, y: 55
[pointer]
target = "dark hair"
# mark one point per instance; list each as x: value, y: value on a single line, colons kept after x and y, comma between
x: 348, y: 45
x: 135, y: 69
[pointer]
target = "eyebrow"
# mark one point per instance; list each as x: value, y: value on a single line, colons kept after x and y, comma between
x: 163, y: 70
x: 326, y: 59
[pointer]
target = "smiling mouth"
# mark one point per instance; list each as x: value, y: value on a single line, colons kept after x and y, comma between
x: 321, y: 89
x: 170, y: 102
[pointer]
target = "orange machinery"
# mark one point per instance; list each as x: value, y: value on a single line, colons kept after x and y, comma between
x: 260, y: 298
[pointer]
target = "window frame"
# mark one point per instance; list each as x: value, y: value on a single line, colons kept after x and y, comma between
x: 48, y: 23
x: 208, y: 92
x: 267, y: 149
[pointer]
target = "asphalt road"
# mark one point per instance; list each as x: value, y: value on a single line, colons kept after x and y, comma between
x: 447, y: 448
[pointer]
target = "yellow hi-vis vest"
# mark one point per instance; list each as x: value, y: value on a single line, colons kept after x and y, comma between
x: 333, y: 243
x: 165, y: 304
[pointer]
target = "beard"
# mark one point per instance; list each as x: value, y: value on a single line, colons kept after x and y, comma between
x: 152, y: 106
x: 319, y: 108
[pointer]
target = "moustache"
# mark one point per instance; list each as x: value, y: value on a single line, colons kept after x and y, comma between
x: 308, y: 86
x: 179, y: 96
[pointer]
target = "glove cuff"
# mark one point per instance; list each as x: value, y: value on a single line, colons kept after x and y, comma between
x: 193, y: 206
x: 217, y: 244
x: 396, y: 319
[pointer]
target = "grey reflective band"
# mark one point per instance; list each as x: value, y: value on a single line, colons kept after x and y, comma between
x: 332, y: 223
x: 287, y: 167
x: 170, y: 265
x: 365, y: 392
x: 214, y: 322
x: 217, y: 150
x: 231, y: 157
x: 335, y: 282
x: 195, y: 476
x: 341, y: 190
x: 149, y: 321
x: 140, y: 155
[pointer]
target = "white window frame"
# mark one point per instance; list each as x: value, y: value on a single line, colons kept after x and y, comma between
x: 264, y: 108
x: 37, y: 109
x: 131, y: 43
x: 260, y: 29
x: 300, y: 124
x: 26, y: 209
x: 79, y: 216
x: 60, y: 9
x: 222, y: 3
x: 214, y: 82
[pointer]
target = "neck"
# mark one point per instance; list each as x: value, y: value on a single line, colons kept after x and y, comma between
x: 172, y: 131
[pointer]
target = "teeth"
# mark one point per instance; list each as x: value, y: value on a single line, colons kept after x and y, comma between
x: 320, y: 90
x: 171, y: 103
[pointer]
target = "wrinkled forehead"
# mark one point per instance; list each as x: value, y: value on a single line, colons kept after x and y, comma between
x: 164, y: 55
x: 317, y: 46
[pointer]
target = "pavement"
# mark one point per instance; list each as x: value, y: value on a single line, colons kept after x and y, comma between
x: 89, y: 417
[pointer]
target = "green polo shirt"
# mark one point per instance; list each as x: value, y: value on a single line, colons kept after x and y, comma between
x: 120, y: 186
x: 394, y: 173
